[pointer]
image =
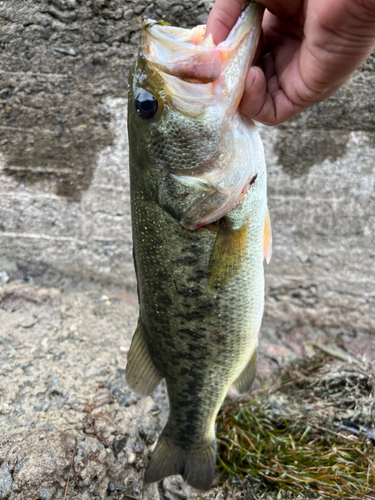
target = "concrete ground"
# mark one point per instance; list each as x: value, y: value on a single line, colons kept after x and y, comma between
x: 70, y: 426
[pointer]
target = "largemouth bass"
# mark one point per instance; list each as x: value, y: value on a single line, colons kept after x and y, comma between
x: 200, y: 231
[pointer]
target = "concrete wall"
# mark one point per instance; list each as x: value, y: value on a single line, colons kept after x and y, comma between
x: 64, y: 195
x: 322, y: 204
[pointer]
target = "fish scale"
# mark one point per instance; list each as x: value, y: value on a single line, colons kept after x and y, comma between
x: 201, y: 290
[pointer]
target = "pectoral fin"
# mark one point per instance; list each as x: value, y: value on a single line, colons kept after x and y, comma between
x: 141, y: 374
x: 228, y: 254
x: 267, y: 238
x: 244, y: 382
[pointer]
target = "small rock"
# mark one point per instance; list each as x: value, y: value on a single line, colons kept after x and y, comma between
x: 113, y: 14
x: 4, y: 278
x: 8, y: 265
x: 177, y: 10
x: 97, y: 58
x: 44, y: 494
x: 43, y: 19
x: 139, y: 8
x: 58, y: 130
x: 19, y: 466
x: 65, y: 4
x: 111, y: 488
x: 128, y: 14
x: 66, y: 52
x: 60, y: 118
x: 63, y: 16
x: 5, y: 482
x: 119, y: 444
x: 47, y: 33
x: 202, y: 18
x: 151, y: 492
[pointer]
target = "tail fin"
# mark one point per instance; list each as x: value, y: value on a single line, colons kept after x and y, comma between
x: 196, y: 464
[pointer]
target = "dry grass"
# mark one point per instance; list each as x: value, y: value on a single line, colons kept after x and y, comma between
x: 287, y: 438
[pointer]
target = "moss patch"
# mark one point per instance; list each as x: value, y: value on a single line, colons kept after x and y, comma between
x: 307, y: 436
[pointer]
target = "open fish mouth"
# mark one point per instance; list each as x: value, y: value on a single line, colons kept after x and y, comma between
x: 196, y: 60
x: 188, y: 55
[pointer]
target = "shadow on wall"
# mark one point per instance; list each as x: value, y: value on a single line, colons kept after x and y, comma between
x: 297, y: 153
x: 60, y: 60
x: 60, y: 141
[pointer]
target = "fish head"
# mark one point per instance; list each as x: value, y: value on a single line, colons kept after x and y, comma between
x: 188, y: 141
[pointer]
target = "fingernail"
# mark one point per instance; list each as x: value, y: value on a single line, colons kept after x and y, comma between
x: 250, y: 79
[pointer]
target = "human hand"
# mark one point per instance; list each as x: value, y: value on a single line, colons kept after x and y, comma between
x: 309, y: 49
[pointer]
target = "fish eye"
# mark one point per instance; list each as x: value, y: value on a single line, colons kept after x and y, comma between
x: 146, y: 105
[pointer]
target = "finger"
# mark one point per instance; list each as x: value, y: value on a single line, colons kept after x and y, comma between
x: 282, y: 8
x: 271, y: 106
x: 222, y: 18
x: 275, y: 30
x: 255, y: 92
x: 225, y: 13
x: 268, y: 66
x: 269, y: 109
x: 258, y: 52
x: 273, y: 85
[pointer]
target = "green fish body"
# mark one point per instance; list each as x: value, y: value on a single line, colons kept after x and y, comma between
x: 200, y: 232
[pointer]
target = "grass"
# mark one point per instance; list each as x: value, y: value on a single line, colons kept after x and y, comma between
x: 300, y: 452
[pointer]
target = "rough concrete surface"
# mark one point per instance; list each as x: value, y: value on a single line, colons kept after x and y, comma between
x: 64, y: 193
x: 68, y: 421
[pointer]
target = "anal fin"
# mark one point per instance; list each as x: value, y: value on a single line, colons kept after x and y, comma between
x: 141, y: 374
x: 243, y: 383
x: 228, y: 254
